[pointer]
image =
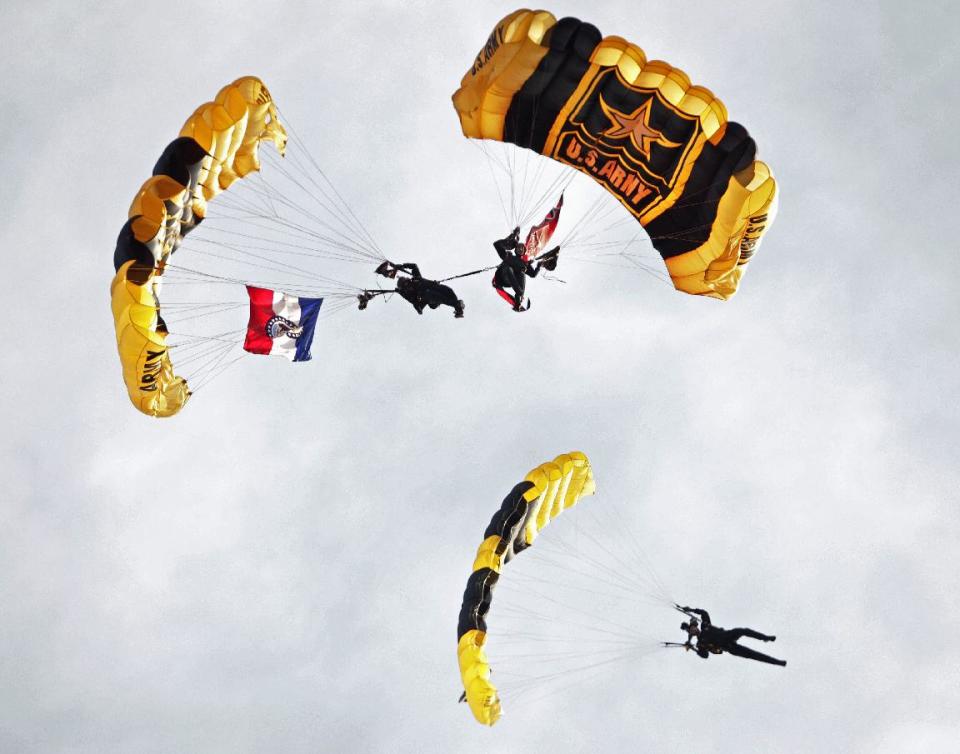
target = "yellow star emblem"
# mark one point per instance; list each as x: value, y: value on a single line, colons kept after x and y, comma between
x: 636, y: 126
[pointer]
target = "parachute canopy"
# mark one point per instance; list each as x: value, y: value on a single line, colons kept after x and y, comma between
x: 663, y: 147
x: 543, y: 495
x: 217, y: 145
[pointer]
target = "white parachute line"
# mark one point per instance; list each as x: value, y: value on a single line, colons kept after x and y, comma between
x: 278, y: 267
x: 349, y: 237
x: 294, y: 249
x: 342, y: 212
x: 207, y: 311
x: 615, y: 589
x: 196, y: 341
x: 568, y: 559
x: 624, y: 532
x: 522, y: 694
x: 291, y: 228
x: 216, y: 369
x: 614, y: 629
x: 616, y: 576
x: 558, y: 185
x: 269, y: 245
x: 202, y: 363
x: 649, y: 581
x: 496, y: 184
x: 319, y: 170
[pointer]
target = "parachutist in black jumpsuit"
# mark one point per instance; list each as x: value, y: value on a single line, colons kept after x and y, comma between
x: 712, y: 639
x: 417, y: 289
x: 515, y: 268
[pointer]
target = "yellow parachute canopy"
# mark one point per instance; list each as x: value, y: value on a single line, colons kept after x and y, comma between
x: 217, y: 145
x: 663, y: 147
x: 543, y: 495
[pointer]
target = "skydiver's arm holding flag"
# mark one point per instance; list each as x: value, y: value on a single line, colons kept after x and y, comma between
x: 505, y: 245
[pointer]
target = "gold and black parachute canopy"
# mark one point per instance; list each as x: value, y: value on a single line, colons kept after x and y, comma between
x: 662, y: 146
x: 541, y: 496
x: 217, y: 145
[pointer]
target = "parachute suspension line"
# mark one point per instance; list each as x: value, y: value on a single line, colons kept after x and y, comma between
x: 552, y: 639
x: 242, y: 208
x: 343, y: 203
x: 202, y: 355
x: 481, y: 145
x: 558, y: 185
x: 218, y: 367
x: 535, y: 689
x: 199, y: 311
x: 269, y: 265
x: 599, y: 204
x: 349, y: 236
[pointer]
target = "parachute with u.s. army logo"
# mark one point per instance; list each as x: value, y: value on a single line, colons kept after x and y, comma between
x: 663, y: 147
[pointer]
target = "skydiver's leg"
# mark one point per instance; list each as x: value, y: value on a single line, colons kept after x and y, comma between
x: 499, y: 283
x: 750, y: 654
x: 519, y: 287
x: 445, y: 295
x: 739, y: 633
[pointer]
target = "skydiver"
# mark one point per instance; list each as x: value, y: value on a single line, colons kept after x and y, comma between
x: 516, y: 266
x: 715, y: 640
x: 416, y: 289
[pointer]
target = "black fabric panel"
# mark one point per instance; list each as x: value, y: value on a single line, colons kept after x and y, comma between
x: 128, y: 247
x: 479, y: 591
x: 476, y: 601
x: 181, y: 160
x: 687, y: 224
x: 536, y: 105
x: 512, y: 512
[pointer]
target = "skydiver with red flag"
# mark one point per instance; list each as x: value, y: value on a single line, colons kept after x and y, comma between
x: 522, y: 260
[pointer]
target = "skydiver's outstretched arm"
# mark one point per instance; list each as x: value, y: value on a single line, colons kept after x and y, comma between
x: 704, y: 615
x: 410, y: 268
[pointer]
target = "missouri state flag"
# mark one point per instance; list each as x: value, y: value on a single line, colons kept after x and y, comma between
x: 281, y: 325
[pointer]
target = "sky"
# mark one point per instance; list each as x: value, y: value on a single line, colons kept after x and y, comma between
x: 280, y: 566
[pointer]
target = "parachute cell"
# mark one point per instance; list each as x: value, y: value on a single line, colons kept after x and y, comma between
x: 218, y: 144
x: 663, y: 147
x: 544, y: 493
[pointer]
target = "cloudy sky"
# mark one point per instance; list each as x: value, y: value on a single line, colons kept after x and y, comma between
x: 279, y: 568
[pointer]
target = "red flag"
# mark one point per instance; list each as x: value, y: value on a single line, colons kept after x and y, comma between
x: 539, y: 235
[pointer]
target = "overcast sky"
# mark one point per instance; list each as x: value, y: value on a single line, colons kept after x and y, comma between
x: 279, y: 568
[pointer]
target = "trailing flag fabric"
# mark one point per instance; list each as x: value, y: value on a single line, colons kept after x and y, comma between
x: 539, y: 235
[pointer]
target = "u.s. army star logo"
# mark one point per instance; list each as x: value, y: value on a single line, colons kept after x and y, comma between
x: 636, y: 125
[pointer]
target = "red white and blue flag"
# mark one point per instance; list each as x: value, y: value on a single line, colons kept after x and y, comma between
x: 539, y: 235
x: 281, y: 325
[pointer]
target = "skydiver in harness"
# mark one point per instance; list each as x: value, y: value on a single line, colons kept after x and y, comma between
x: 712, y: 639
x: 516, y: 266
x: 416, y: 289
